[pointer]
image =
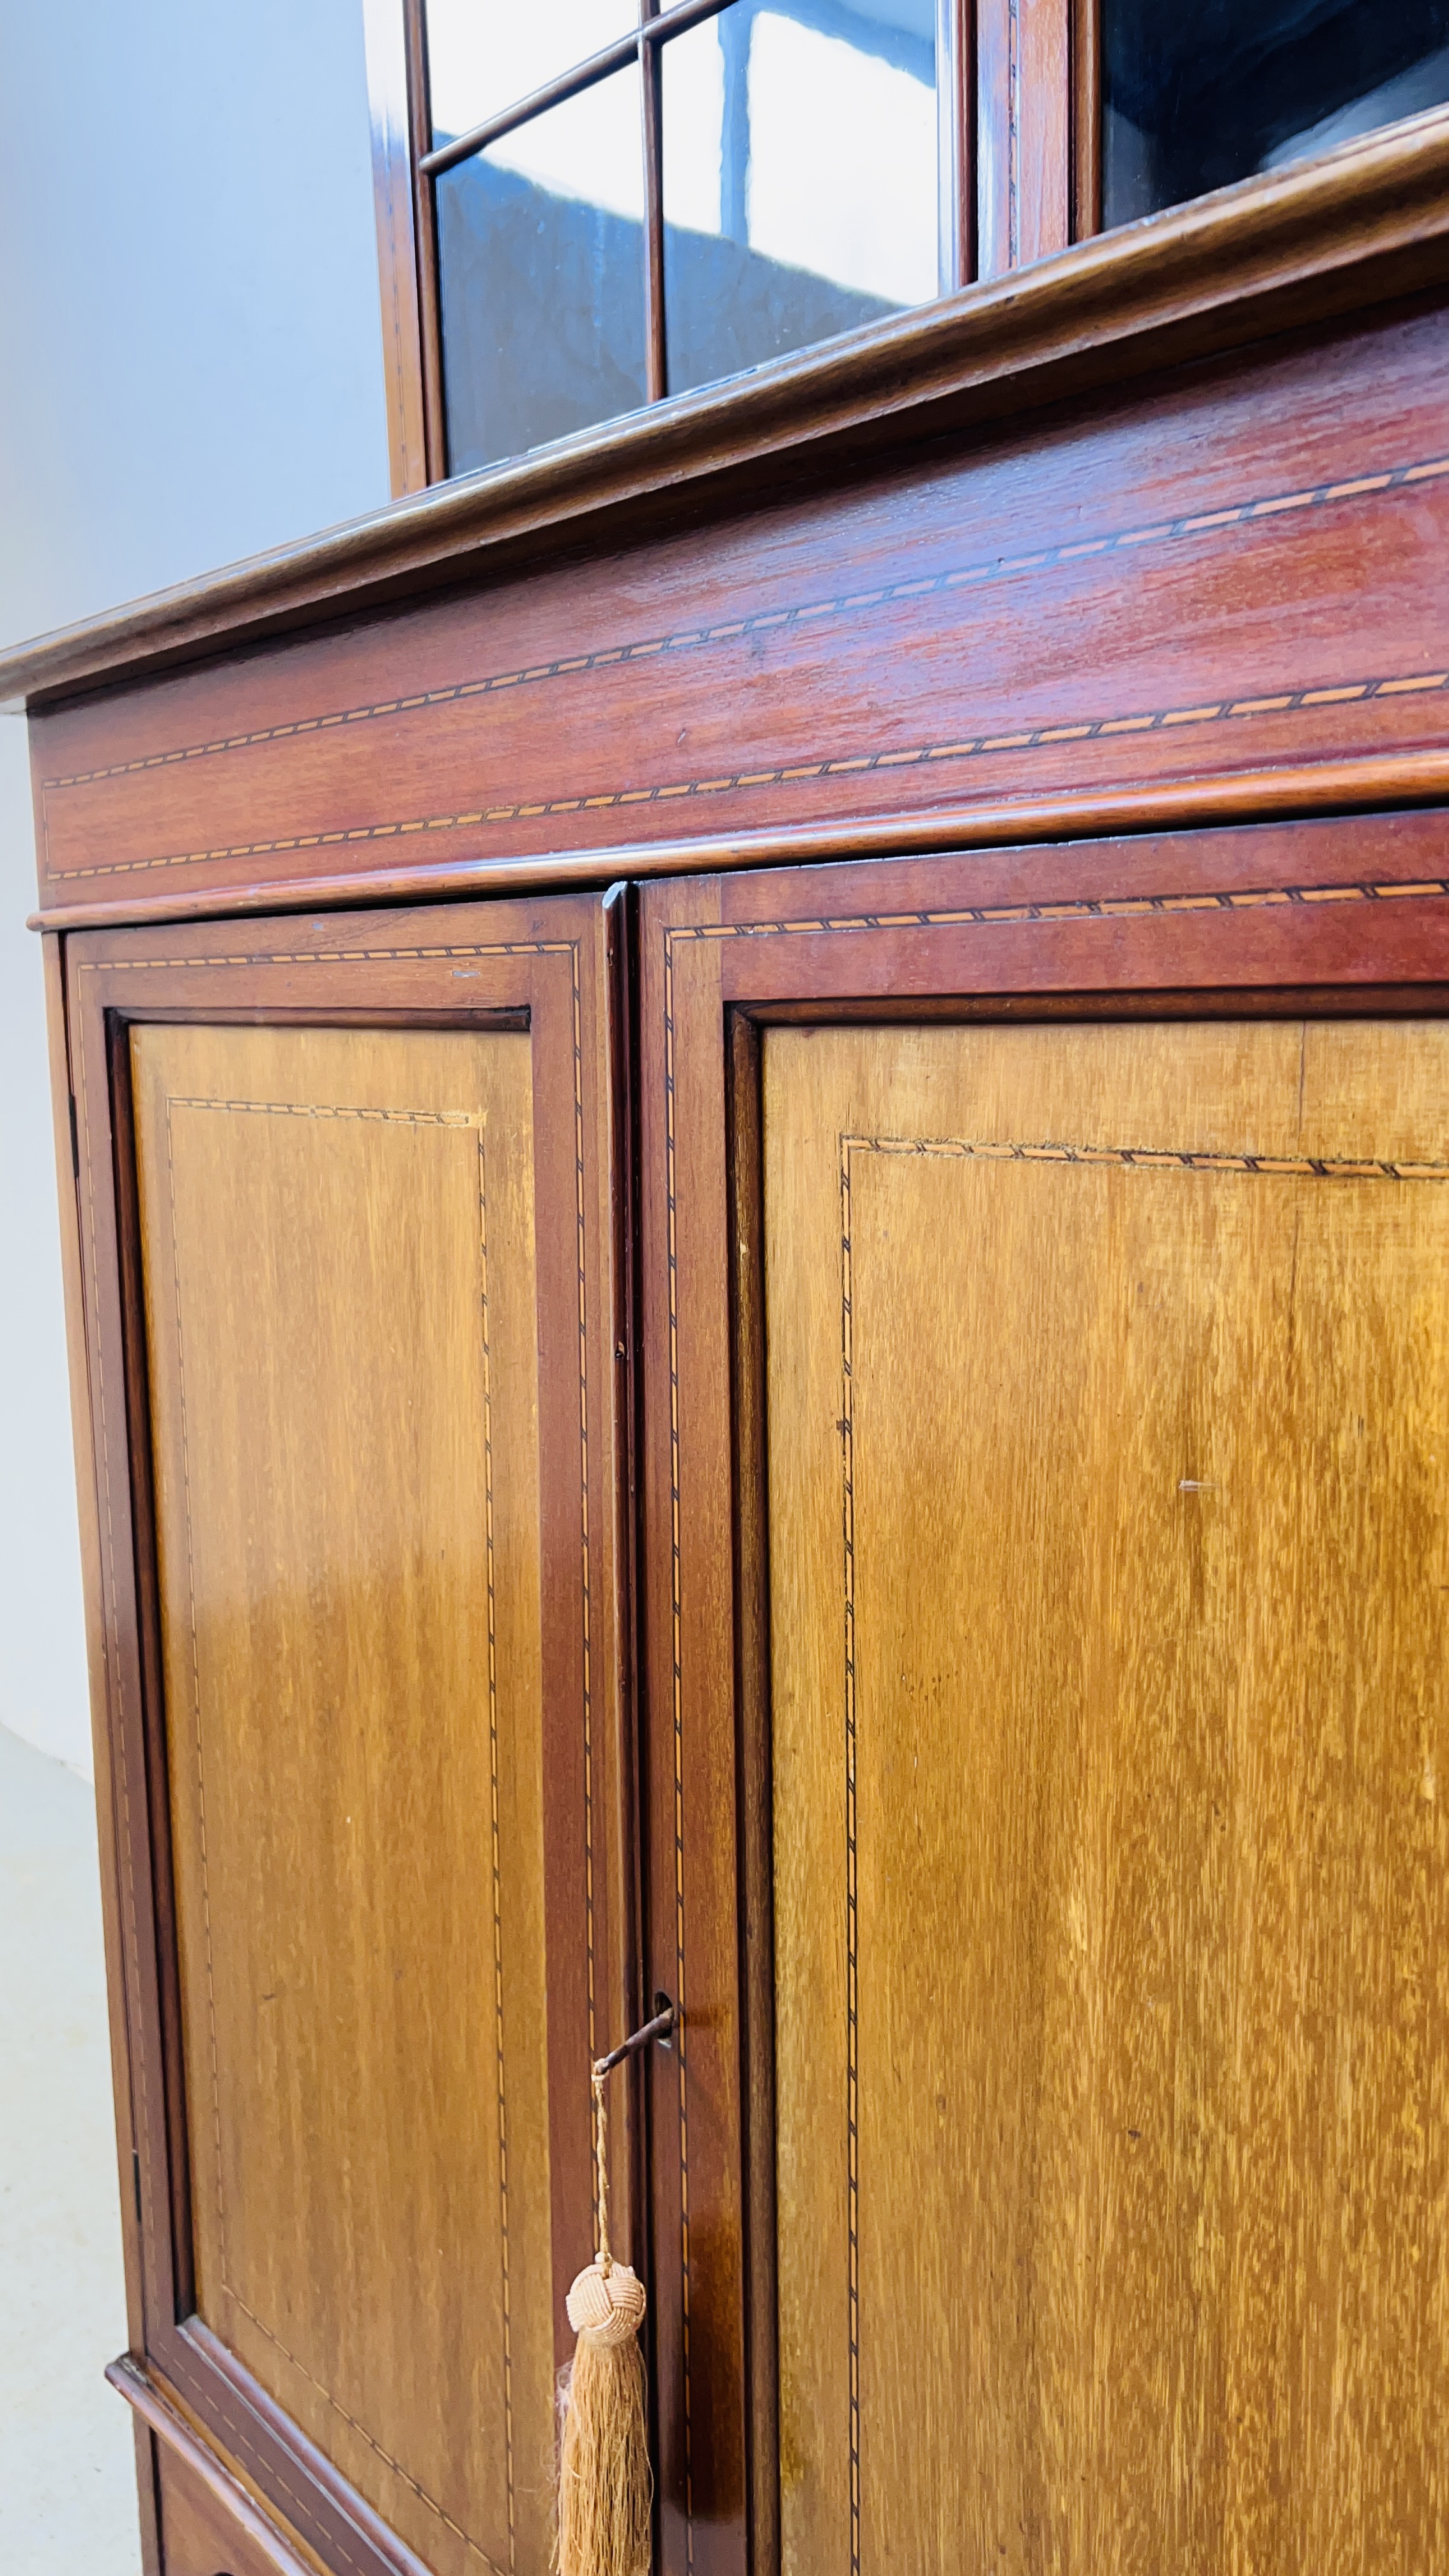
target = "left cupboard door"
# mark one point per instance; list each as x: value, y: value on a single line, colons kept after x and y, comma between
x: 352, y: 1281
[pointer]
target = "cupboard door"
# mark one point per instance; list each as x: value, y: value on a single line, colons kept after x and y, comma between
x: 1047, y: 1553
x: 1108, y: 1392
x: 365, y: 1291
x: 337, y: 1253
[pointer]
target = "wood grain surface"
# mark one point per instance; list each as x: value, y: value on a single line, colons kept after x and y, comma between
x: 1225, y: 570
x: 338, y: 1248
x: 390, y: 114
x: 83, y: 1434
x: 1297, y: 247
x: 1109, y: 1426
x: 1023, y: 131
x: 198, y: 2537
x: 205, y: 2527
x: 1341, y: 917
x: 487, y: 973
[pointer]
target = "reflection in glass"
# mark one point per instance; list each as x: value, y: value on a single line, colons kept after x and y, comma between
x: 1195, y: 98
x: 541, y: 269
x: 799, y: 177
x: 485, y: 55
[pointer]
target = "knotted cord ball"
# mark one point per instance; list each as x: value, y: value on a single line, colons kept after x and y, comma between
x: 607, y: 2307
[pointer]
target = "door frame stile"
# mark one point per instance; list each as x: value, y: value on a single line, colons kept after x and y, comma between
x: 754, y: 1810
x: 395, y: 971
x: 1341, y: 917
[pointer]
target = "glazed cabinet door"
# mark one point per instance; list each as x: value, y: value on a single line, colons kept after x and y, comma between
x: 354, y: 1308
x: 1047, y: 1277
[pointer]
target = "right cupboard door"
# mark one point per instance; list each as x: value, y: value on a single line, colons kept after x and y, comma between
x: 1089, y: 1407
x: 1108, y: 1401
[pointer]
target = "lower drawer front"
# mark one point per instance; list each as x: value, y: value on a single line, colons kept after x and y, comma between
x: 198, y: 2535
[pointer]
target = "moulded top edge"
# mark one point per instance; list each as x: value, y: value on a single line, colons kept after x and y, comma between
x: 1320, y: 238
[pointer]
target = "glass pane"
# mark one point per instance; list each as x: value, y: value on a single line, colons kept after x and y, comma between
x: 541, y: 263
x: 485, y: 55
x: 1197, y: 98
x: 799, y: 177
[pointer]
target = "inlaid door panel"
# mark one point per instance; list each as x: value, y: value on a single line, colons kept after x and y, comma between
x: 337, y: 1242
x: 1108, y: 1401
x: 353, y: 1233
x: 1045, y: 1578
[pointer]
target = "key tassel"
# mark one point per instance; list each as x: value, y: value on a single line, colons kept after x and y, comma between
x: 606, y: 2485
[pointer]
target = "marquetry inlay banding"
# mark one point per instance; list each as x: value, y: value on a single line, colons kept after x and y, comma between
x: 248, y: 954
x: 679, y: 936
x: 1132, y: 1158
x: 845, y: 606
x: 921, y: 756
x: 447, y: 1122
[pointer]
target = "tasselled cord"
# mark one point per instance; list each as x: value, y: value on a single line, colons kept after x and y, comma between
x: 601, y: 2172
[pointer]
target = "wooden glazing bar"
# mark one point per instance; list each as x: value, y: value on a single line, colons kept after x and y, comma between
x: 1086, y: 118
x: 1023, y: 131
x: 677, y: 22
x: 1043, y: 108
x: 426, y: 234
x: 566, y: 85
x: 995, y: 137
x: 955, y: 139
x: 387, y: 39
x: 656, y: 365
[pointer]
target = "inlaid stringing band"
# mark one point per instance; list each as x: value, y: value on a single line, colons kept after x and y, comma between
x: 449, y: 1121
x: 847, y: 604
x: 134, y: 1848
x: 1091, y: 1157
x: 862, y: 763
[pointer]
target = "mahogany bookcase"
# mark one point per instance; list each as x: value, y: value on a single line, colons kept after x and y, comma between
x: 753, y: 1121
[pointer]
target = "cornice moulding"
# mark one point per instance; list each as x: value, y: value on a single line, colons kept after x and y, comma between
x: 1302, y: 247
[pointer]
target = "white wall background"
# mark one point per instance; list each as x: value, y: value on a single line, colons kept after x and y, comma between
x: 190, y: 370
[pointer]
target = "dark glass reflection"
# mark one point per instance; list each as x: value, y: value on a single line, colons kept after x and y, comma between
x: 1196, y: 98
x: 800, y: 194
x: 541, y: 271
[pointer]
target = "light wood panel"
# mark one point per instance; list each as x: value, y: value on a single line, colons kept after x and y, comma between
x: 337, y: 1231
x: 1109, y: 1588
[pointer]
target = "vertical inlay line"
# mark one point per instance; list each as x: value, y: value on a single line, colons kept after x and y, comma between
x: 114, y: 1657
x: 588, y: 1638
x: 852, y: 2063
x: 676, y: 1658
x: 113, y: 1663
x: 1366, y: 1169
x: 195, y: 1662
x: 1013, y: 133
x: 455, y: 1120
x: 492, y: 1606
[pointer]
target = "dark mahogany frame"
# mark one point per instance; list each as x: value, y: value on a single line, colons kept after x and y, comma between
x: 1019, y: 163
x: 1331, y: 918
x: 557, y: 968
x: 1212, y: 446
